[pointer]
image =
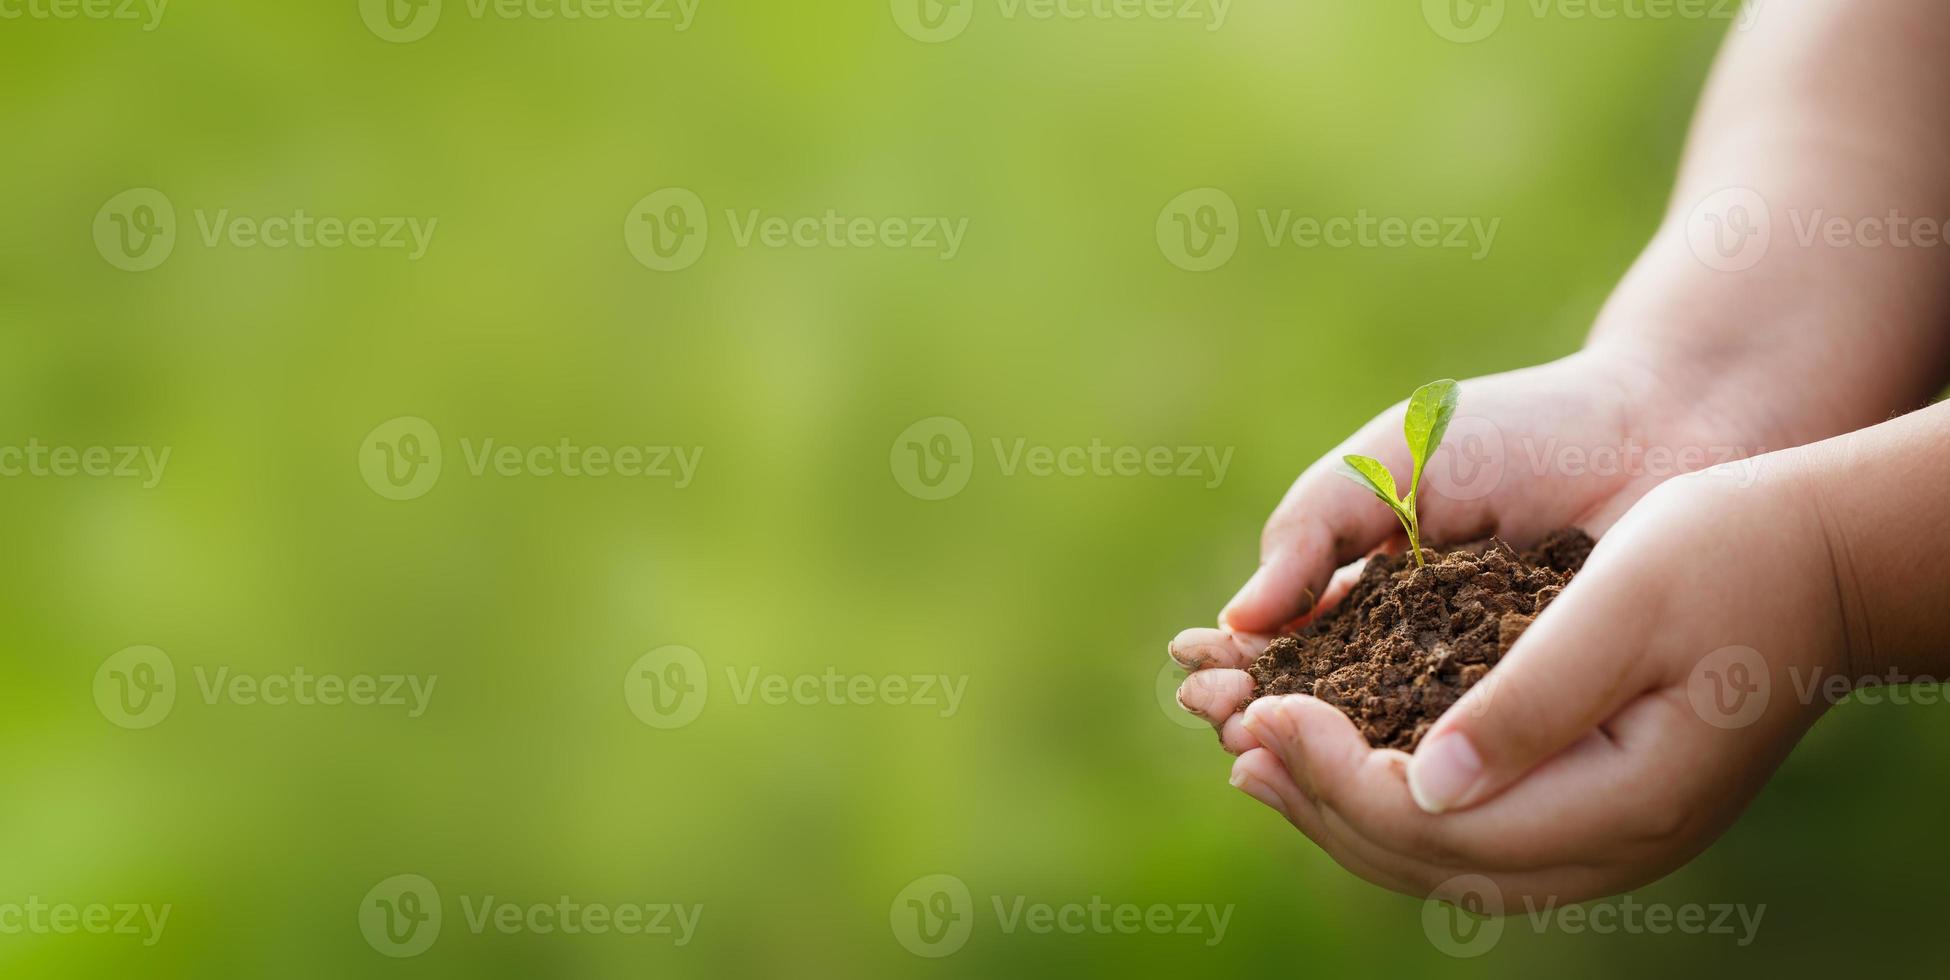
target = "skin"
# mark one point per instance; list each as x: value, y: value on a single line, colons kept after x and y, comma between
x: 1594, y: 758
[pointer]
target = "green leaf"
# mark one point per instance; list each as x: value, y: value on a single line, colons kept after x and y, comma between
x: 1429, y: 412
x: 1371, y: 474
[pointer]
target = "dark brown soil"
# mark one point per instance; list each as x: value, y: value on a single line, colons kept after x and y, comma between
x: 1407, y: 641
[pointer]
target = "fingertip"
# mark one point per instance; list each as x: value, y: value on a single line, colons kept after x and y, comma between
x: 1242, y: 611
x: 1215, y: 694
x: 1234, y: 737
x: 1239, y: 773
x: 1256, y: 763
x: 1324, y: 743
x: 1267, y: 722
x: 1203, y: 648
x: 1190, y: 649
x: 1250, y: 778
x: 1278, y: 593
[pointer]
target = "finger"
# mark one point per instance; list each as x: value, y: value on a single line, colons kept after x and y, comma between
x: 1197, y: 649
x: 1559, y: 828
x: 1290, y: 727
x: 1577, y: 665
x: 1340, y: 772
x: 1616, y: 811
x: 1404, y: 873
x: 1261, y: 775
x: 1215, y: 694
x: 1339, y: 585
x: 1586, y: 871
x: 1322, y: 523
x: 1563, y: 883
x: 1233, y: 736
x: 1566, y: 818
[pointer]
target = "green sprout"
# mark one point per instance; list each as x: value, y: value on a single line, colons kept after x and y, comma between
x: 1429, y: 412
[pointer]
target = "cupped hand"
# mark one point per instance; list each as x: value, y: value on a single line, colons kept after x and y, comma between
x: 1572, y: 443
x: 1623, y: 731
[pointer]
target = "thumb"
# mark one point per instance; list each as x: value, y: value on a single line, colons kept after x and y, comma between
x: 1322, y: 523
x: 1576, y: 666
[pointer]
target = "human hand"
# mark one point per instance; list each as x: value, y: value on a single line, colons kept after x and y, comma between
x: 1615, y: 740
x: 1530, y: 452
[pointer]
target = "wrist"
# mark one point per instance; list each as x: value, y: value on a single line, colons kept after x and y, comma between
x: 1799, y: 498
x: 1884, y: 524
x: 1725, y: 346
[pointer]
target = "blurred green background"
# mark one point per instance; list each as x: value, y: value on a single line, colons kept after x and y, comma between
x: 1061, y: 774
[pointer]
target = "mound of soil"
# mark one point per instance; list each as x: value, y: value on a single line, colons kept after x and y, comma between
x: 1407, y: 641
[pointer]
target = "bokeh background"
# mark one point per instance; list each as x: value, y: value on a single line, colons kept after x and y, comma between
x: 1063, y: 774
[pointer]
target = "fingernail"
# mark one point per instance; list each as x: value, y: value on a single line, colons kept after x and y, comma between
x: 1247, y: 593
x: 1254, y: 788
x: 1443, y: 772
x: 1193, y: 658
x: 1207, y: 684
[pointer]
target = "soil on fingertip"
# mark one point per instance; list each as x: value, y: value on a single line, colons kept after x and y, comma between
x: 1406, y: 642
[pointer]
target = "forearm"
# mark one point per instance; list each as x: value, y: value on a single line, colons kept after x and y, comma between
x: 1828, y: 111
x: 1880, y: 499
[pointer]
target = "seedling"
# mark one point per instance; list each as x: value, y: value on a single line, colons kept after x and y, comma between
x: 1429, y: 412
